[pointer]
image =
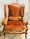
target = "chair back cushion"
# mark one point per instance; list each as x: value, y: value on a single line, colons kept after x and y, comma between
x: 15, y: 11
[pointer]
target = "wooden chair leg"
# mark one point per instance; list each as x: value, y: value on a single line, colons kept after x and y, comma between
x: 26, y: 35
x: 4, y: 35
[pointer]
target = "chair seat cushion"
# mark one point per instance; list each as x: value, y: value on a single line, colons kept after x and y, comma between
x: 15, y: 26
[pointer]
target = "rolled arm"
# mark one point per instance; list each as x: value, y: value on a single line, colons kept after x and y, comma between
x: 4, y: 21
x: 25, y: 22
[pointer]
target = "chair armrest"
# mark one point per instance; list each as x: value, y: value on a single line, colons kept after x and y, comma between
x: 4, y: 21
x: 25, y: 22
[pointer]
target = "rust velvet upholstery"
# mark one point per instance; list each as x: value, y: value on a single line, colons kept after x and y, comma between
x: 15, y: 26
x: 15, y: 13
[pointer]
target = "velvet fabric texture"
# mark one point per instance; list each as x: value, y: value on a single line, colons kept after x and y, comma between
x: 15, y: 10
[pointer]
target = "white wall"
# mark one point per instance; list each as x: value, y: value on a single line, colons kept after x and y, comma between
x: 26, y: 4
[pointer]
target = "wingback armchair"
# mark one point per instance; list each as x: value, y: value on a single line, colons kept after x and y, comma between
x: 14, y: 19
